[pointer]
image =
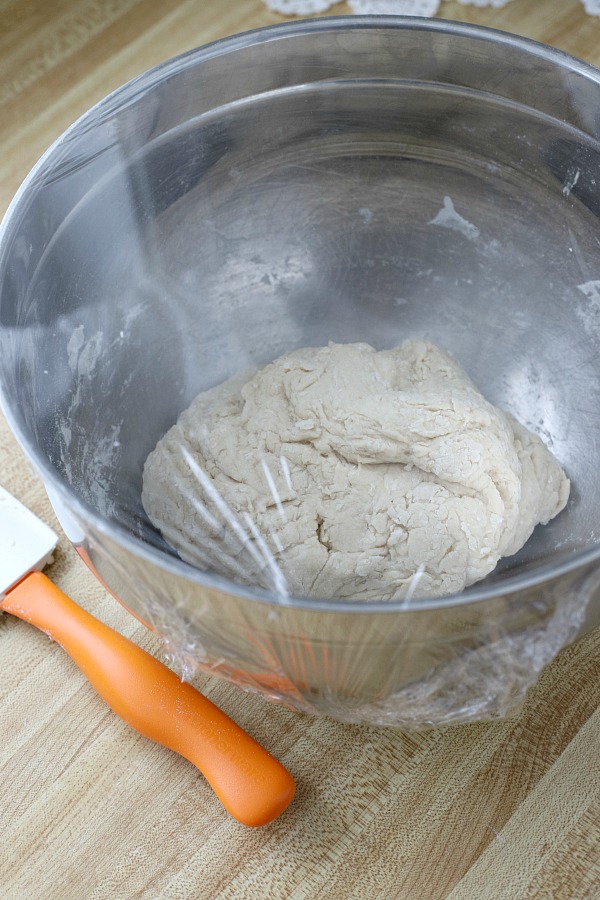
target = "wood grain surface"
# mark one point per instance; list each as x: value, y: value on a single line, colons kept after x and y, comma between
x: 89, y: 809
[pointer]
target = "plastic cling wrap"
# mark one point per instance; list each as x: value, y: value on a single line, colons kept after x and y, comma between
x: 427, y: 667
x: 392, y: 469
x: 336, y: 526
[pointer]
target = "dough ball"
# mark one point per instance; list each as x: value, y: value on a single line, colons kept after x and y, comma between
x: 343, y: 472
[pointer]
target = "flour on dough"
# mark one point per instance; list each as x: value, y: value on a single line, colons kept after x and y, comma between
x: 349, y: 470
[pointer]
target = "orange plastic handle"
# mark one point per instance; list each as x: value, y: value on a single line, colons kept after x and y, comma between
x: 251, y: 784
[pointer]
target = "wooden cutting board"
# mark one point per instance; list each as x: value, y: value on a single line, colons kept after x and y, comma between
x: 89, y: 809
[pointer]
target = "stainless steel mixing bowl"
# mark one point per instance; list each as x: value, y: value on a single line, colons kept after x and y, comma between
x: 345, y: 179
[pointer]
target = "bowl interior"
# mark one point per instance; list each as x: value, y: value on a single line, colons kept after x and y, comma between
x: 178, y: 235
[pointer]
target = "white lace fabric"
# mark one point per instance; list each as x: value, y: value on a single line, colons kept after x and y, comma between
x: 299, y: 7
x: 425, y: 8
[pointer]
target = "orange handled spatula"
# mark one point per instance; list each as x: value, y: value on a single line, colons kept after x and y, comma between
x: 253, y: 786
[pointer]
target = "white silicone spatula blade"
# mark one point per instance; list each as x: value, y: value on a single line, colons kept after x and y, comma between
x: 26, y: 543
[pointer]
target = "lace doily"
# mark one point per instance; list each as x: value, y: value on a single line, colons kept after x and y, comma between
x: 426, y: 8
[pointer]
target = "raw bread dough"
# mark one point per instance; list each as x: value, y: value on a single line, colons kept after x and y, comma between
x: 343, y: 472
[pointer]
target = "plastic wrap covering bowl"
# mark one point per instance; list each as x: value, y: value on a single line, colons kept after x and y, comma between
x: 333, y: 180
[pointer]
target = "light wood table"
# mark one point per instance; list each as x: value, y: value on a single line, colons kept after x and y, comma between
x: 89, y: 809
